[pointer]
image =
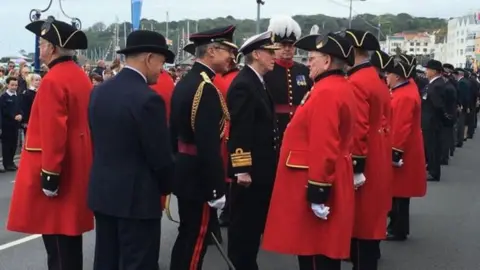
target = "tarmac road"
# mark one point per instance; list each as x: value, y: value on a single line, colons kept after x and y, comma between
x: 445, y: 229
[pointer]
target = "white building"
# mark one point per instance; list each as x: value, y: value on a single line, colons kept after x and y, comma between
x: 461, y: 35
x: 440, y: 52
x: 414, y: 43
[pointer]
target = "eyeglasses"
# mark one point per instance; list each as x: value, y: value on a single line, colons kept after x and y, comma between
x: 229, y: 50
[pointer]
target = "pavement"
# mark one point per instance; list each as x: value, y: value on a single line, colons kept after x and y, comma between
x: 445, y: 229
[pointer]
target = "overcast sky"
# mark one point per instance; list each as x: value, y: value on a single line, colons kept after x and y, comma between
x: 14, y: 13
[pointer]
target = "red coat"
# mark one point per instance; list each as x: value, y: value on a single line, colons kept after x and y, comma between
x: 372, y: 139
x: 164, y: 87
x: 316, y: 146
x: 223, y: 83
x: 409, y: 180
x: 58, y: 141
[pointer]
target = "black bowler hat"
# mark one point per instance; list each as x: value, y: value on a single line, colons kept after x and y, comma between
x: 190, y: 48
x: 401, y: 68
x: 59, y: 33
x: 331, y: 44
x: 363, y: 40
x: 223, y: 35
x: 147, y: 41
x: 434, y: 65
x: 448, y: 67
x: 263, y: 41
x: 381, y: 60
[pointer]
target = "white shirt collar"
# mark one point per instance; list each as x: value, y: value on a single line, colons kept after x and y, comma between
x: 198, y: 61
x: 432, y: 80
x: 11, y: 93
x: 260, y: 77
x: 136, y: 70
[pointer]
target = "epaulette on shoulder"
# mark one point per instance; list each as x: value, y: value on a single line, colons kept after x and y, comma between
x: 205, y: 77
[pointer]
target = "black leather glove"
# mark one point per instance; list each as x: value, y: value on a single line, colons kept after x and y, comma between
x: 50, y: 183
x: 318, y: 193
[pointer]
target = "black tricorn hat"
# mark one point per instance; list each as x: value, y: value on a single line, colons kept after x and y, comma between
x: 59, y: 33
x: 381, y: 60
x: 434, y: 65
x: 362, y: 39
x: 190, y: 48
x: 223, y: 35
x: 409, y: 59
x: 400, y: 67
x: 147, y: 41
x: 331, y: 44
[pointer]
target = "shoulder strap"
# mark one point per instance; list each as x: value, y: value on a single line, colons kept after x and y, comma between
x: 196, y: 102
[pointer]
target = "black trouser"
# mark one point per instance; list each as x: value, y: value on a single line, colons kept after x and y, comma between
x: 225, y: 215
x: 249, y: 207
x: 197, y: 221
x: 63, y: 252
x: 433, y: 150
x: 470, y: 123
x: 127, y: 244
x: 318, y: 262
x: 9, y: 145
x: 364, y: 254
x: 447, y: 142
x: 399, y: 224
x: 460, y: 128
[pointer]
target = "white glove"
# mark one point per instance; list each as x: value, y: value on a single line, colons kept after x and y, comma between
x: 320, y: 210
x: 218, y: 203
x: 358, y: 180
x: 50, y: 193
x: 398, y: 164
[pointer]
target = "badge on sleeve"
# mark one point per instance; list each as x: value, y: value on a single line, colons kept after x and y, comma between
x: 301, y: 80
x: 424, y: 96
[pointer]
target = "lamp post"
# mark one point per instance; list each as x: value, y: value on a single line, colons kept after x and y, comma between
x: 259, y: 4
x: 350, y: 16
x: 35, y: 15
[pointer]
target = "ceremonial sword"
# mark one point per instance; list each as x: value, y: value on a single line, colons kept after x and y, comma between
x: 215, y: 240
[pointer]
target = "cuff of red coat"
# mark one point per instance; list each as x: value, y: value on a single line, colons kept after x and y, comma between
x: 318, y: 192
x: 359, y: 163
x: 49, y: 172
x: 397, y: 155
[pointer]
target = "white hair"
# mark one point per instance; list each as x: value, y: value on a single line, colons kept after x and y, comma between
x: 64, y: 52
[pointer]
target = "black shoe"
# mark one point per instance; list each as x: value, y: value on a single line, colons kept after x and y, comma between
x: 392, y: 237
x: 432, y: 178
x: 444, y: 162
x: 11, y: 168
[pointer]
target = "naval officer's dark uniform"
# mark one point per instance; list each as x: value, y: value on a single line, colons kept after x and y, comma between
x: 132, y: 163
x: 198, y: 122
x: 253, y: 146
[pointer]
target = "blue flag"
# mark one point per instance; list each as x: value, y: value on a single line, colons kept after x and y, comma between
x: 136, y: 13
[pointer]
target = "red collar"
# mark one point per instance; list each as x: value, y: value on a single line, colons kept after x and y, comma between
x: 284, y: 63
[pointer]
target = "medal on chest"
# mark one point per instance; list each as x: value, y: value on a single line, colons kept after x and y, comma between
x: 301, y: 80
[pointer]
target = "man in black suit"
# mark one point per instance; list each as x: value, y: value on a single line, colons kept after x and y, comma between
x: 448, y: 141
x: 472, y: 115
x: 198, y: 123
x: 132, y: 159
x: 464, y: 100
x: 253, y: 146
x: 433, y: 115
